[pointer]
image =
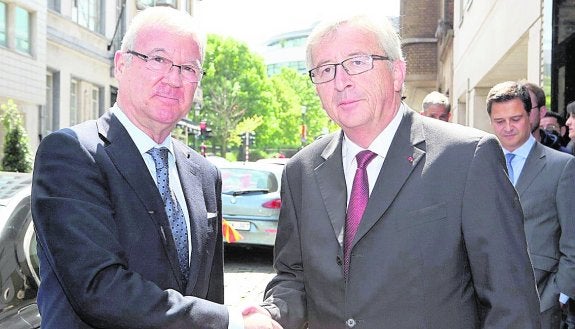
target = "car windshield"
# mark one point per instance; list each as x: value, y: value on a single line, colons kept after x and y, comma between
x: 244, y: 181
x: 12, y: 183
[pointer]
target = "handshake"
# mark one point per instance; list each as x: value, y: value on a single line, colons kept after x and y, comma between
x: 257, y: 317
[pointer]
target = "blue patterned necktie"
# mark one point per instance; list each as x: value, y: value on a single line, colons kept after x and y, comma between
x: 173, y: 209
x: 509, y: 157
x: 357, y: 203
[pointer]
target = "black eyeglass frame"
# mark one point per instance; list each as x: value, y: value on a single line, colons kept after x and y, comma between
x: 373, y: 58
x: 146, y: 58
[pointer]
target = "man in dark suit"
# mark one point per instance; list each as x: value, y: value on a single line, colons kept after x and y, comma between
x: 128, y: 219
x: 440, y: 243
x: 544, y: 179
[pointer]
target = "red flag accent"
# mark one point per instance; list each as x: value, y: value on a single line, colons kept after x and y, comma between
x: 231, y: 235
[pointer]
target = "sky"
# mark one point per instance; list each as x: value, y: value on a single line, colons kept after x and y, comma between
x: 256, y: 21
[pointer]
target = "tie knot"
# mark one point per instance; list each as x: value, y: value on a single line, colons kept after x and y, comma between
x: 509, y: 157
x: 364, y: 158
x: 160, y: 156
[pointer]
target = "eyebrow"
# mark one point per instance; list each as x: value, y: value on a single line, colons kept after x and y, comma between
x: 326, y: 62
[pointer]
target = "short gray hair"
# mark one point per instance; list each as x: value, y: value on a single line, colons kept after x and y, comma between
x: 177, y: 21
x: 436, y: 98
x: 381, y: 27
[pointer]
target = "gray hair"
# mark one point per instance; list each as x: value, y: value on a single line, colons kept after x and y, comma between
x: 436, y: 98
x: 176, y: 21
x: 381, y: 27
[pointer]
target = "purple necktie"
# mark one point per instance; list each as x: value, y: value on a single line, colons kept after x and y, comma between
x: 357, y: 203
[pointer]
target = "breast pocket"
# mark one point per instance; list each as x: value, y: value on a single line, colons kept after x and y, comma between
x: 423, y: 216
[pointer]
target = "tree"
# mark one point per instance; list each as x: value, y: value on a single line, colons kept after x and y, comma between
x: 293, y: 92
x: 234, y: 85
x: 17, y: 156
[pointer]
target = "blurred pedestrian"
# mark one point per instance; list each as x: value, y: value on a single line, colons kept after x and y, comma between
x: 436, y: 105
x: 570, y: 123
x: 397, y: 220
x: 554, y: 123
x: 545, y: 181
x: 128, y: 219
x: 538, y: 111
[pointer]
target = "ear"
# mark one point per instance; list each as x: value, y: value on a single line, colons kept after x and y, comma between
x: 563, y: 130
x: 119, y: 63
x: 398, y: 74
x: 542, y: 112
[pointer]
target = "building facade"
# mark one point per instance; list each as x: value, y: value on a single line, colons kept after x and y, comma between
x: 481, y: 43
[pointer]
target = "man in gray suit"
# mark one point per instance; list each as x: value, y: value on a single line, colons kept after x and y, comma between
x: 440, y: 242
x: 545, y: 181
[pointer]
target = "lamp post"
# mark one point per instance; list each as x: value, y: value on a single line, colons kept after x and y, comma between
x: 303, y: 126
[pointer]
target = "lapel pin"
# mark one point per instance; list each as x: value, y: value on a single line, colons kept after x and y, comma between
x: 410, y: 159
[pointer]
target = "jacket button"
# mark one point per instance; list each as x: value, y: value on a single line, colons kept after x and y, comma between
x: 350, y: 323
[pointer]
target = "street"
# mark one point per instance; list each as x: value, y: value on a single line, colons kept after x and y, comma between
x: 246, y: 274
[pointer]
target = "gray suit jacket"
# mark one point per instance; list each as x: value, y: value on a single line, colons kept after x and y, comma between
x: 546, y: 188
x: 441, y: 244
x: 107, y: 256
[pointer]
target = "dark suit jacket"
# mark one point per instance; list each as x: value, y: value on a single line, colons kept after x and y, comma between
x: 546, y: 188
x: 107, y: 256
x: 441, y: 243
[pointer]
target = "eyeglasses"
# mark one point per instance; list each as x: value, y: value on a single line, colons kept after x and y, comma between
x: 353, y: 66
x: 188, y: 72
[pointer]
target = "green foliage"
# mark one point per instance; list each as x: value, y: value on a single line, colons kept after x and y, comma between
x: 234, y: 85
x: 17, y: 157
x: 238, y: 95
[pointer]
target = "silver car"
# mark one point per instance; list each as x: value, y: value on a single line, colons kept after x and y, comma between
x: 19, y: 266
x: 251, y: 200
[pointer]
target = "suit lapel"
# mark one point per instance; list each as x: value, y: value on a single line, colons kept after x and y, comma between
x: 129, y: 163
x: 535, y: 162
x: 401, y: 159
x: 192, y: 187
x: 331, y: 182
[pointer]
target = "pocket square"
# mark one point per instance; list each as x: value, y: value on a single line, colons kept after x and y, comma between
x: 212, y: 214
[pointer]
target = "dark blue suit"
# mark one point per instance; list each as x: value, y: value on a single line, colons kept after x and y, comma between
x: 107, y: 256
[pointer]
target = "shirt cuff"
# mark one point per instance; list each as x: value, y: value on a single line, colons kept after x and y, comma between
x: 563, y: 299
x: 236, y: 318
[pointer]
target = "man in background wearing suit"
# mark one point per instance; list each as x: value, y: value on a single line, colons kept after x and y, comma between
x: 128, y: 219
x: 433, y: 236
x: 545, y: 181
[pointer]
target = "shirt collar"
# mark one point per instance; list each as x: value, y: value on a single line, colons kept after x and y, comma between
x: 143, y: 142
x: 380, y: 144
x: 523, y: 150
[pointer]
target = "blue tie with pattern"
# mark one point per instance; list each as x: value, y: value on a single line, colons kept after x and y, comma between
x: 173, y: 209
x: 509, y: 157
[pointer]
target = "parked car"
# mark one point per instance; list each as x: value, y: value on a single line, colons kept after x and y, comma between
x: 19, y: 275
x: 251, y: 200
x: 281, y: 161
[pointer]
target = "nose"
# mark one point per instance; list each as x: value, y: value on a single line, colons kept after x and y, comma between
x: 174, y: 79
x: 342, y: 78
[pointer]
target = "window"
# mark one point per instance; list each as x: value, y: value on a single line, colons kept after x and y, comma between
x: 54, y: 5
x: 74, y: 102
x: 47, y: 114
x: 141, y: 4
x: 3, y: 39
x: 85, y: 101
x: 87, y: 13
x: 95, y: 102
x: 22, y: 29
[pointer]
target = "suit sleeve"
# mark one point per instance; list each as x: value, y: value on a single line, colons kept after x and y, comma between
x: 565, y: 200
x: 83, y: 251
x: 492, y: 224
x: 285, y: 294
